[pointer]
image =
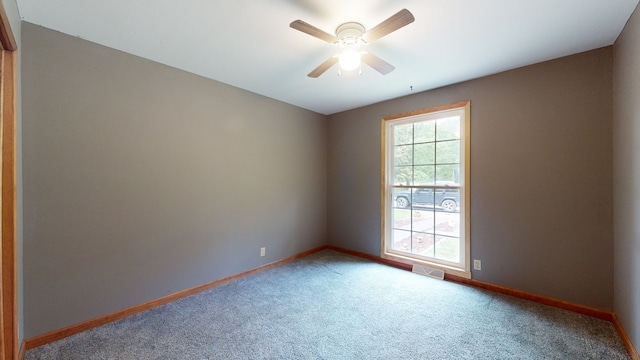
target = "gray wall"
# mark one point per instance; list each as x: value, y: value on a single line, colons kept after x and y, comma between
x: 541, y: 176
x: 626, y: 165
x: 141, y: 180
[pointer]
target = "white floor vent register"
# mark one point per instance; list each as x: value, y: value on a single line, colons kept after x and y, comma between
x: 430, y: 272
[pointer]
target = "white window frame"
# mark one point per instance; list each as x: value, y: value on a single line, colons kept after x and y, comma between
x: 463, y: 109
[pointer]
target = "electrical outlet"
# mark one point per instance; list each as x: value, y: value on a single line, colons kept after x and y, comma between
x: 477, y: 265
x: 263, y: 251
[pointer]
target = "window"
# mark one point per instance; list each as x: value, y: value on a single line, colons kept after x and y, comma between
x: 425, y: 187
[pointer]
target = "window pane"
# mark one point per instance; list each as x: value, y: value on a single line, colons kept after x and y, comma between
x: 425, y: 131
x: 448, y: 199
x: 423, y: 197
x: 447, y: 248
x: 447, y: 223
x: 402, y: 175
x: 403, y: 134
x: 448, y: 174
x: 425, y: 154
x: 448, y: 152
x: 423, y: 175
x: 401, y: 240
x: 448, y: 128
x: 402, y: 198
x: 403, y: 155
x: 422, y: 244
x: 402, y: 219
x: 422, y: 220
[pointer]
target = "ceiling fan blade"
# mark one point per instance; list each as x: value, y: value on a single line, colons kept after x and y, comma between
x: 323, y: 67
x: 378, y: 64
x: 402, y: 18
x: 313, y: 31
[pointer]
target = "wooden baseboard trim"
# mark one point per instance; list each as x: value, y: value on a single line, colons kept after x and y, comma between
x: 625, y: 339
x: 23, y: 351
x: 120, y: 314
x: 597, y: 313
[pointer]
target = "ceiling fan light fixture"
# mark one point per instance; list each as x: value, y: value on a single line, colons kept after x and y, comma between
x: 349, y: 36
x: 349, y: 60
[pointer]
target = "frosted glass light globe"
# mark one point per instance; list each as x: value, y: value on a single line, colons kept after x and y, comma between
x: 349, y: 60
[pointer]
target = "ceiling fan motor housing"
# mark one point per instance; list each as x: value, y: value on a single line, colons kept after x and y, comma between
x: 349, y: 33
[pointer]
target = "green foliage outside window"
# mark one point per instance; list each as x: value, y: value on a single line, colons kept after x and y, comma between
x: 427, y: 152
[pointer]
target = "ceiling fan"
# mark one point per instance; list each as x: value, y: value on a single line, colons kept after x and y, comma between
x: 349, y: 36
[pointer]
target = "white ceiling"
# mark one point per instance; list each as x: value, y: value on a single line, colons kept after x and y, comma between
x: 249, y: 44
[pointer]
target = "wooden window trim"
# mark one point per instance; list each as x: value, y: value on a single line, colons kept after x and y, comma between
x: 466, y: 105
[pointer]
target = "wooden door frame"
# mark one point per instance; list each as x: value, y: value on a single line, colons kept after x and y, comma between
x: 9, y: 278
